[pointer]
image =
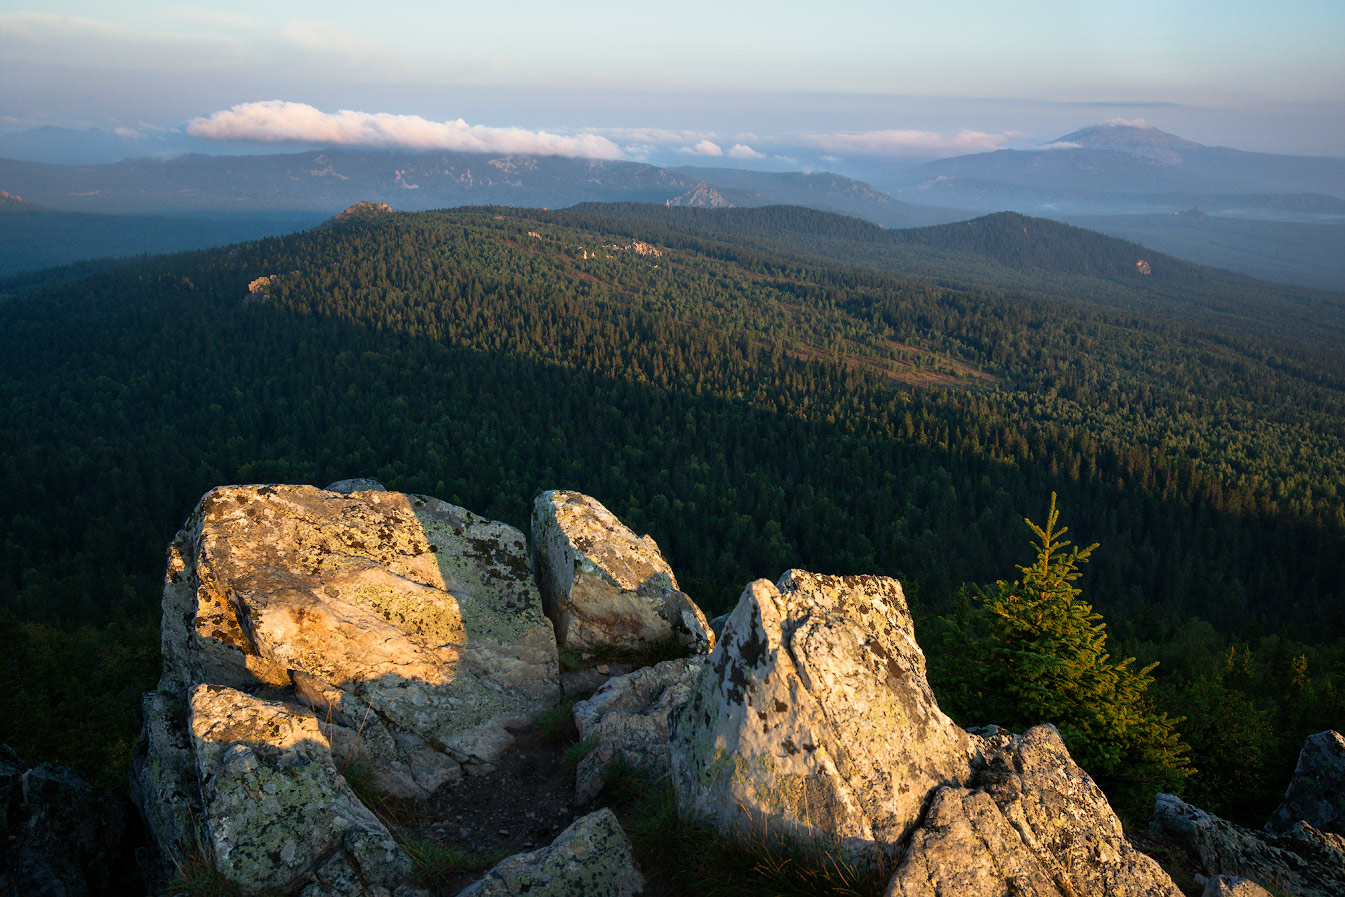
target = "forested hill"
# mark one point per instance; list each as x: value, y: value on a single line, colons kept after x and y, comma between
x: 753, y: 409
x: 1008, y: 253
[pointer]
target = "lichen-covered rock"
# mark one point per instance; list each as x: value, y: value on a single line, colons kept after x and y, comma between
x: 591, y: 858
x: 1232, y: 886
x: 813, y: 718
x: 627, y: 720
x: 1316, y: 793
x: 1302, y: 865
x: 1032, y: 823
x: 412, y: 629
x: 602, y: 586
x: 391, y: 614
x: 276, y: 807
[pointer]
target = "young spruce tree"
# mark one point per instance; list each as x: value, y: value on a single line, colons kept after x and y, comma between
x: 1033, y: 651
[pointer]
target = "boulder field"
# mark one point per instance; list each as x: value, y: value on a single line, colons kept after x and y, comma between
x: 325, y: 645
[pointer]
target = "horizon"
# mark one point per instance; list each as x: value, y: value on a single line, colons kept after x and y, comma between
x: 861, y: 91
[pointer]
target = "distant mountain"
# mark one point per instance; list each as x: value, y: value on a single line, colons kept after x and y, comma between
x: 826, y: 191
x: 330, y: 180
x: 1107, y: 168
x: 281, y: 188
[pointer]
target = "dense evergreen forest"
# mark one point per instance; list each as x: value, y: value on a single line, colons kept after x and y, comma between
x: 767, y: 392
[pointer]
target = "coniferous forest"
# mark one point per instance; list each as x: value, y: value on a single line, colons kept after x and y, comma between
x: 775, y: 389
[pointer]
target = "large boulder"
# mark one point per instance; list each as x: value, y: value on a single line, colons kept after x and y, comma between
x: 408, y: 629
x: 1031, y: 823
x: 602, y: 586
x: 1316, y: 793
x: 276, y: 808
x: 628, y: 721
x: 1304, y: 862
x: 813, y: 718
x: 591, y: 858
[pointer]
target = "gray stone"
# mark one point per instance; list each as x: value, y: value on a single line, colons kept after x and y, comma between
x: 813, y: 718
x: 1304, y: 865
x: 591, y: 858
x: 355, y: 484
x: 1030, y: 823
x: 627, y: 720
x: 1316, y: 793
x: 604, y: 587
x: 276, y: 807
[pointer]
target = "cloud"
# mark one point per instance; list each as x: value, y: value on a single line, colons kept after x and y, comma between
x: 743, y: 151
x: 279, y: 121
x: 1060, y: 145
x: 1130, y: 123
x: 704, y: 148
x: 908, y: 143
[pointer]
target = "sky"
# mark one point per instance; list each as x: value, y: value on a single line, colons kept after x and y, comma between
x: 780, y: 84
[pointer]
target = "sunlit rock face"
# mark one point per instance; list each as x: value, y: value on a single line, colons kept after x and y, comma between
x: 408, y: 629
x: 813, y: 717
x: 602, y: 586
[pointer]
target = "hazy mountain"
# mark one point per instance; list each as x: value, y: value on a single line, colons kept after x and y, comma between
x: 330, y: 180
x: 1113, y: 168
x: 1272, y: 216
x: 277, y: 190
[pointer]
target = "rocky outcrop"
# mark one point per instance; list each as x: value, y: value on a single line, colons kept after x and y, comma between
x: 627, y: 720
x: 406, y: 630
x: 701, y: 196
x: 1305, y: 863
x: 602, y: 586
x: 1316, y: 794
x: 591, y: 858
x: 58, y: 836
x: 277, y: 809
x: 813, y: 718
x: 1031, y: 822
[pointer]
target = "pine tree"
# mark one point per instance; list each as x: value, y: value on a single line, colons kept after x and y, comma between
x: 1034, y: 651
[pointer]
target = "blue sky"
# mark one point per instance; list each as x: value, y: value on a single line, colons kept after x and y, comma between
x: 784, y: 82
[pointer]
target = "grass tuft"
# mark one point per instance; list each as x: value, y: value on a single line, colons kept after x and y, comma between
x: 576, y: 752
x: 437, y: 864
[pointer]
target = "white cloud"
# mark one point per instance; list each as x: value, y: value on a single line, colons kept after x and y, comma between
x: 1130, y: 123
x: 704, y: 148
x: 908, y: 143
x: 281, y: 121
x: 130, y: 133
x: 743, y: 151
